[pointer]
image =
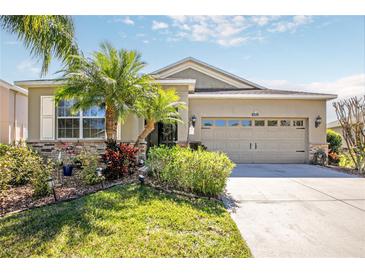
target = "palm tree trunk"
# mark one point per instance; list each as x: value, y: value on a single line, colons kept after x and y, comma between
x: 110, y: 123
x: 149, y: 127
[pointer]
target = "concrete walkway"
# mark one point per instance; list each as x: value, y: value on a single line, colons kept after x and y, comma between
x: 298, y: 210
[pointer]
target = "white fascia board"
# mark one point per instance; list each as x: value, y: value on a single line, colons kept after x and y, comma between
x: 53, y: 83
x: 36, y: 83
x: 263, y: 96
x: 13, y: 87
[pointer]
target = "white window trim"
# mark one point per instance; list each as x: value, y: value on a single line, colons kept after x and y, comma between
x: 80, y: 117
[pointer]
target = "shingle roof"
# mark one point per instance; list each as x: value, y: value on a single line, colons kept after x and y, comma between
x: 333, y: 124
x: 255, y: 91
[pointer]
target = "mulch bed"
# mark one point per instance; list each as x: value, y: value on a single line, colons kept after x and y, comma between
x: 346, y: 170
x: 16, y: 199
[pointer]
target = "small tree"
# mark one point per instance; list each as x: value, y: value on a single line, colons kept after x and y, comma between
x: 158, y: 106
x: 334, y: 141
x: 109, y: 79
x: 351, y: 116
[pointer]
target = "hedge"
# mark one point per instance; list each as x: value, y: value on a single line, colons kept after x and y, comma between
x: 194, y: 171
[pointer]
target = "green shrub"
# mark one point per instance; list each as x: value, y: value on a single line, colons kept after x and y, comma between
x: 19, y: 166
x: 89, y: 165
x: 4, y: 149
x: 346, y: 161
x: 6, y: 166
x: 334, y: 141
x: 199, y: 172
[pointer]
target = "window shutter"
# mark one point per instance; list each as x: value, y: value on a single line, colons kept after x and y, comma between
x: 119, y: 132
x: 47, y: 126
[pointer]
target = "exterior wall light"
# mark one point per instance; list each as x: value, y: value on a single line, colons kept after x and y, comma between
x: 141, y: 179
x: 318, y: 121
x: 255, y: 114
x: 193, y: 120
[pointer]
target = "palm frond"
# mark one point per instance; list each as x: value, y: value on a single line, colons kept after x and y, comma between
x: 45, y: 36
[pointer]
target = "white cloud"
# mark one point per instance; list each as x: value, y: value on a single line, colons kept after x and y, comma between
x: 344, y: 87
x: 128, y: 21
x: 223, y: 30
x: 156, y: 25
x: 125, y: 20
x: 229, y: 31
x: 28, y: 66
x: 263, y: 20
x: 232, y: 42
x: 292, y: 25
x: 353, y: 85
x: 146, y: 41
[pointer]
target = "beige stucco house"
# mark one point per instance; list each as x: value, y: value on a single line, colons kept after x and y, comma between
x: 251, y: 123
x: 13, y: 113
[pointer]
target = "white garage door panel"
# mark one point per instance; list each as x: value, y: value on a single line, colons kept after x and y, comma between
x: 258, y: 144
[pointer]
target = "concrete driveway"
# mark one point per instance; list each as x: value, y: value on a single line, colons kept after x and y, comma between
x: 298, y: 210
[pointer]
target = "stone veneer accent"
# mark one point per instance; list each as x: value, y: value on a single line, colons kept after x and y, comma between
x: 50, y: 149
x: 313, y: 148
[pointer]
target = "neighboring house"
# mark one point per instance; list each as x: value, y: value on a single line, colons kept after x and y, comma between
x: 251, y: 123
x: 336, y: 127
x: 13, y: 113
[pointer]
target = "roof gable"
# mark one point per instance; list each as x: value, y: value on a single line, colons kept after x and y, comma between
x: 204, y: 68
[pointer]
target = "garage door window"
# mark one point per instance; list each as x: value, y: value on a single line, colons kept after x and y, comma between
x: 246, y: 123
x: 233, y: 123
x: 298, y: 123
x: 220, y: 123
x: 285, y: 123
x: 207, y: 123
x: 259, y: 123
x: 272, y: 123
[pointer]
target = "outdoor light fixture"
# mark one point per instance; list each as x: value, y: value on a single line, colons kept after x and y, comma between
x: 141, y: 162
x: 193, y: 120
x: 51, y: 186
x: 99, y: 171
x: 255, y: 114
x: 318, y: 121
x: 141, y: 178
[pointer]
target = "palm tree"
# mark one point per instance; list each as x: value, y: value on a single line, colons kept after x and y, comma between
x: 160, y: 106
x: 109, y: 79
x: 45, y: 36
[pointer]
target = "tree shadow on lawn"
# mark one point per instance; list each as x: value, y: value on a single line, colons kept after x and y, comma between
x: 27, y: 234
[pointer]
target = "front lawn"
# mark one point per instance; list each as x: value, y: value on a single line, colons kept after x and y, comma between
x: 124, y: 221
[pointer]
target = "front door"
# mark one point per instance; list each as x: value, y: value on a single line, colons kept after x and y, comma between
x: 167, y: 134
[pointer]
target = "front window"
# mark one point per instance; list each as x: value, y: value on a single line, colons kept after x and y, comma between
x: 88, y: 123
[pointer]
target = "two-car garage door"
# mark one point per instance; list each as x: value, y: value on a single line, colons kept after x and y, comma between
x: 261, y: 140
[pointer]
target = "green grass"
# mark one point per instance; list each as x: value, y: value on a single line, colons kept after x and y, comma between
x: 124, y: 221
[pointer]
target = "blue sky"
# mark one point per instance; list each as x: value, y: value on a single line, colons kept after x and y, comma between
x: 311, y: 53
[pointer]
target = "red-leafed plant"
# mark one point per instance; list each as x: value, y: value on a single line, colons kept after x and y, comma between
x: 120, y: 160
x: 333, y: 157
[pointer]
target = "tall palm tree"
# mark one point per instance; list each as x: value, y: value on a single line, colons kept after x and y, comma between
x: 44, y: 35
x: 160, y: 106
x: 110, y: 79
